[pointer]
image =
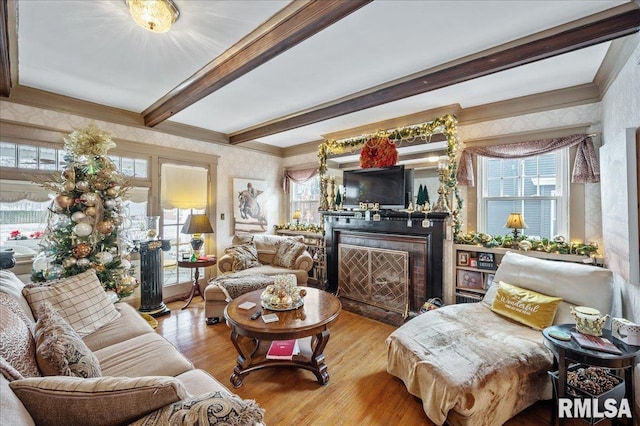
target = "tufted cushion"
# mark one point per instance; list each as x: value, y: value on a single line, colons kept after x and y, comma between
x: 245, y: 256
x: 287, y: 251
x: 216, y: 408
x: 80, y: 300
x: 59, y: 349
x: 527, y: 307
x: 17, y: 346
x: 60, y: 400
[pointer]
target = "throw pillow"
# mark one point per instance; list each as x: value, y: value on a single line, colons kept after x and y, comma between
x: 245, y: 256
x: 59, y: 400
x: 527, y: 307
x: 287, y: 251
x: 59, y: 349
x: 79, y: 299
x: 17, y: 346
x: 216, y: 408
x: 8, y: 371
x: 12, y: 285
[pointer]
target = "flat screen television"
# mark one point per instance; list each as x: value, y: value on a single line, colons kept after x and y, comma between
x: 385, y: 186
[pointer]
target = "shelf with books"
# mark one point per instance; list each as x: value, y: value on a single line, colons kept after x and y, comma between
x: 475, y: 268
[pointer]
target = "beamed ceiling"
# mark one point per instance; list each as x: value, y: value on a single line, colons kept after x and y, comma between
x: 280, y: 76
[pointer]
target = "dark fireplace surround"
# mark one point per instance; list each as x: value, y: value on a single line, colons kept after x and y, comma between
x: 424, y: 245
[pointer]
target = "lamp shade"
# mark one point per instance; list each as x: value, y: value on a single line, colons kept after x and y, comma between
x: 515, y: 221
x: 297, y: 215
x: 197, y: 224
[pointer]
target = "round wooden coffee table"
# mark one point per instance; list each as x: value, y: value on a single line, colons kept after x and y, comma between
x: 309, y: 324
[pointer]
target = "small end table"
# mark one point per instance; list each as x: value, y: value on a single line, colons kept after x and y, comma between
x: 566, y: 352
x: 195, y: 288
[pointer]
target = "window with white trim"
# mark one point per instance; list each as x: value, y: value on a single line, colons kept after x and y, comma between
x: 536, y: 186
x: 305, y: 197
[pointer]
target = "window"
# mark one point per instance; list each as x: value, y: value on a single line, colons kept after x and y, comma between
x: 537, y: 187
x: 305, y: 197
x: 30, y: 157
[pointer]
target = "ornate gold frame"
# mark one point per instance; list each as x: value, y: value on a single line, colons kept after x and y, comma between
x: 446, y: 125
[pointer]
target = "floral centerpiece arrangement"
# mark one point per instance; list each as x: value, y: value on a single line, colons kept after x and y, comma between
x: 557, y: 244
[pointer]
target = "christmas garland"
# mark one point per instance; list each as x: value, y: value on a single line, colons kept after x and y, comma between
x: 446, y: 125
x: 557, y: 244
x: 378, y: 152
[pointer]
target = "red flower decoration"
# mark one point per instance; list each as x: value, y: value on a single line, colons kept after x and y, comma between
x: 378, y: 152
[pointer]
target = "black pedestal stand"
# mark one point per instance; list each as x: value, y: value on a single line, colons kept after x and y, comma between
x: 152, y: 277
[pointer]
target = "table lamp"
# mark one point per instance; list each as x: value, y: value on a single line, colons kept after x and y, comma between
x: 296, y: 216
x: 196, y: 225
x: 515, y: 221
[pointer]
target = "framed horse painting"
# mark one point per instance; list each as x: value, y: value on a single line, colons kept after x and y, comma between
x: 248, y: 212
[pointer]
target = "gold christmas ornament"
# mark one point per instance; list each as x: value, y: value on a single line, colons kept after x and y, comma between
x: 99, y: 185
x: 90, y: 211
x: 128, y: 284
x: 82, y: 250
x: 69, y: 262
x: 64, y: 201
x: 112, y: 192
x: 68, y: 186
x: 105, y: 227
x: 82, y: 185
x: 69, y: 174
x: 98, y: 267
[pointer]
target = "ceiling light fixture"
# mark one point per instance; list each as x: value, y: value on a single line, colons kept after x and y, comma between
x: 154, y: 15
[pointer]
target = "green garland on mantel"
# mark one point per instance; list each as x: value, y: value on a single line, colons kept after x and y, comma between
x: 304, y: 227
x: 557, y: 244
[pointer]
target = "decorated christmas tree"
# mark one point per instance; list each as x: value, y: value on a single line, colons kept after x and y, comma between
x: 420, y: 197
x: 87, y: 217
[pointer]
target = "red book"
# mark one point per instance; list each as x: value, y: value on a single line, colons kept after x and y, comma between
x: 596, y: 343
x: 283, y: 349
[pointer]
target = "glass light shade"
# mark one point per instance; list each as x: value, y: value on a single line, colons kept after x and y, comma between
x: 153, y: 15
x: 515, y: 221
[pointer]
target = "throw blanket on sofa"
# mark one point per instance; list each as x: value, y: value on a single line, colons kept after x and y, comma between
x: 234, y: 285
x: 469, y: 364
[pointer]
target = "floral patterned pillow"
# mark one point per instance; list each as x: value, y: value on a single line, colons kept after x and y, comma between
x: 245, y: 256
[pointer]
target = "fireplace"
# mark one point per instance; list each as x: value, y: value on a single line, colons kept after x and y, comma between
x: 356, y: 247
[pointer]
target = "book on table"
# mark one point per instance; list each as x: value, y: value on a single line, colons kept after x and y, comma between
x: 597, y: 343
x: 283, y: 349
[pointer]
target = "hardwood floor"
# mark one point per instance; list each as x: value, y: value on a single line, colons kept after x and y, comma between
x: 360, y: 391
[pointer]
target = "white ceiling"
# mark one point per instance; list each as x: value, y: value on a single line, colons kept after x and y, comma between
x: 93, y: 51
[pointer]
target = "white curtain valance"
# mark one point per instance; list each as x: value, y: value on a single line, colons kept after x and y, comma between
x: 12, y: 191
x: 183, y: 187
x: 138, y: 194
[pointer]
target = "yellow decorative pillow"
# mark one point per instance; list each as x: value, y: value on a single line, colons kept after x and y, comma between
x: 525, y: 306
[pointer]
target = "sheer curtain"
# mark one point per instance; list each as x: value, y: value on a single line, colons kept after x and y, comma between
x: 298, y: 176
x: 585, y: 168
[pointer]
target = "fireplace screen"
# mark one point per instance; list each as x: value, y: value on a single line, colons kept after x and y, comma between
x: 374, y: 276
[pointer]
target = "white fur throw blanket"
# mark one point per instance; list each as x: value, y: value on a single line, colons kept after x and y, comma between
x: 470, y: 365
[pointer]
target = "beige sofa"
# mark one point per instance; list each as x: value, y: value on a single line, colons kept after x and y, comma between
x: 216, y: 299
x: 471, y: 366
x: 141, y: 374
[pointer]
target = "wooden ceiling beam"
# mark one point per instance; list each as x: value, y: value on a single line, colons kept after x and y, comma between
x: 292, y: 25
x: 5, y: 63
x: 575, y: 35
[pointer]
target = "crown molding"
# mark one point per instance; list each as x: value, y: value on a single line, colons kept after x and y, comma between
x: 617, y: 56
x: 555, y: 99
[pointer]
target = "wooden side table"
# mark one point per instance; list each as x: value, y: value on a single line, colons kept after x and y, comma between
x: 195, y: 288
x: 568, y: 352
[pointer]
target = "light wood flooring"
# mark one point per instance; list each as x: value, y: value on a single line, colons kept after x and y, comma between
x: 360, y: 391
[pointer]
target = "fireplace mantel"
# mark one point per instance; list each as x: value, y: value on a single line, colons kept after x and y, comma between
x: 426, y: 234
